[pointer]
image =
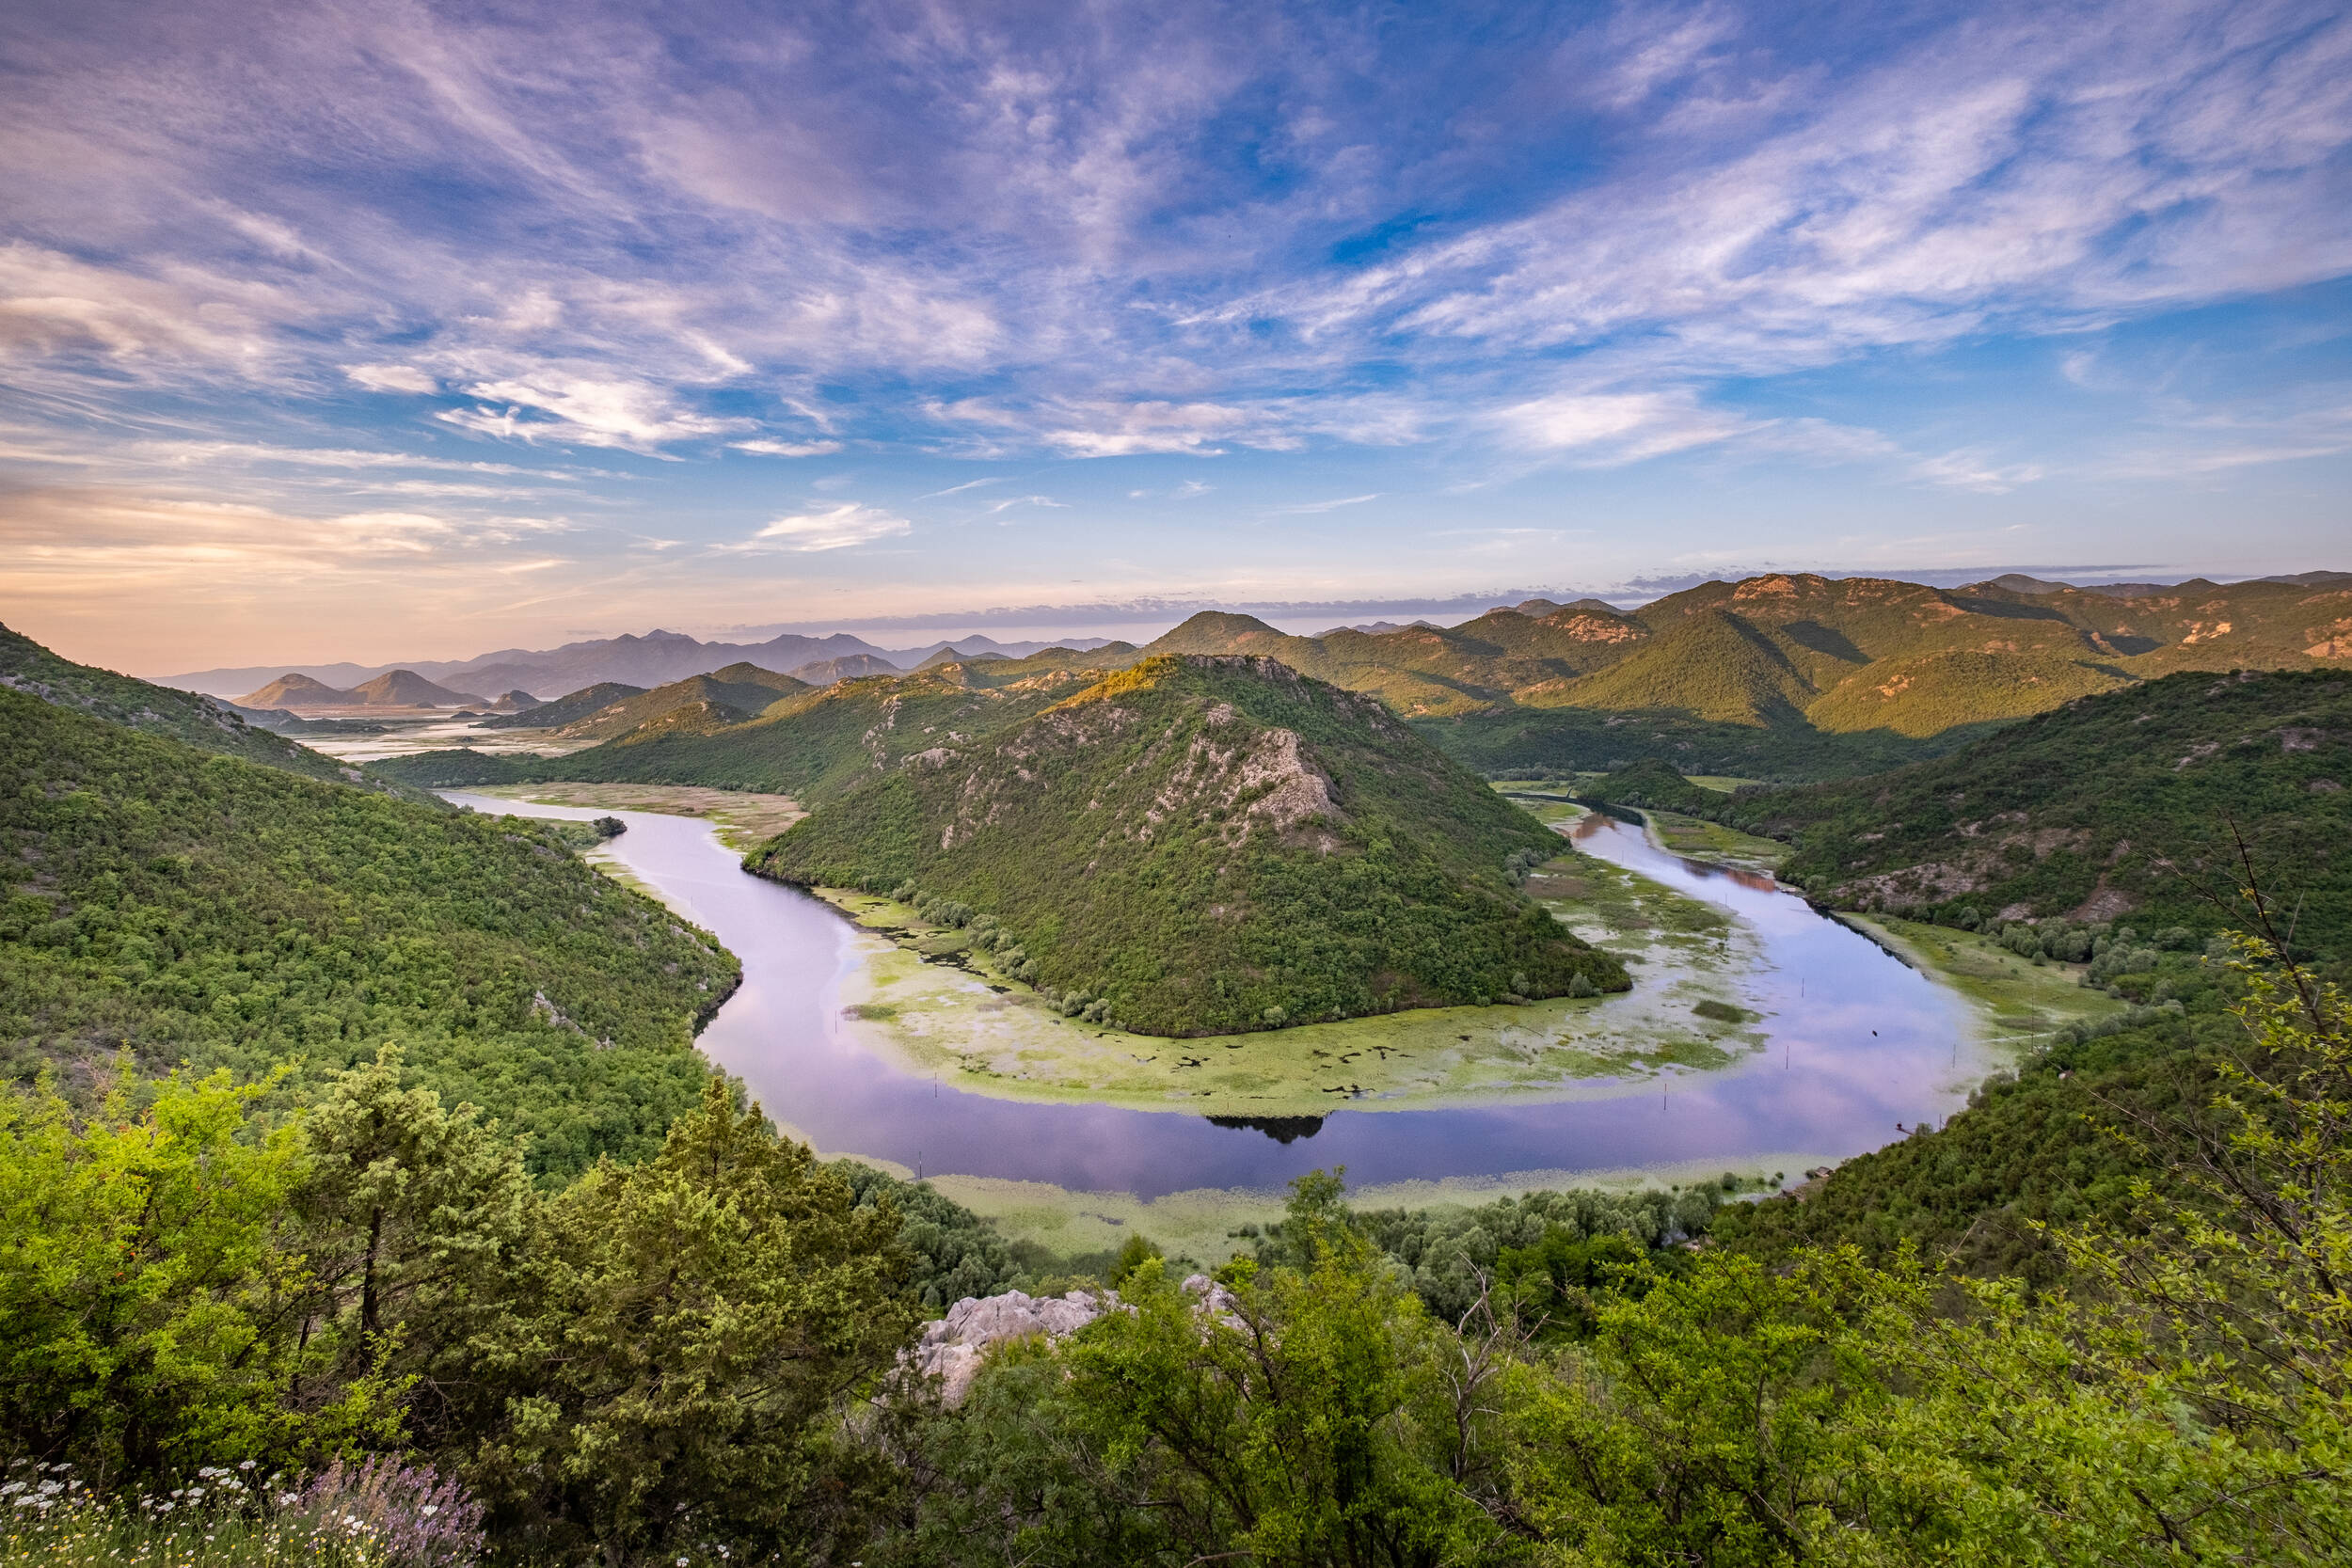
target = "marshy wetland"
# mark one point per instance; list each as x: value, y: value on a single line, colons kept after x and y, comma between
x: 871, y: 1034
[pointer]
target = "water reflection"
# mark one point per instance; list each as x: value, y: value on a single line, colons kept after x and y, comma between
x: 1826, y: 1088
x: 1283, y: 1129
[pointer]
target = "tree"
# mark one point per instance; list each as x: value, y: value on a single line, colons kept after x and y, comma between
x: 136, y: 1277
x: 407, y: 1221
x: 685, y: 1339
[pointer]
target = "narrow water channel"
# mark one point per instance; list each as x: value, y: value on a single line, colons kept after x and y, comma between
x: 1858, y: 1043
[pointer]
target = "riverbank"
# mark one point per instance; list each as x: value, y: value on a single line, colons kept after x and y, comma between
x: 940, y: 1007
x: 744, y: 820
x: 2017, y: 998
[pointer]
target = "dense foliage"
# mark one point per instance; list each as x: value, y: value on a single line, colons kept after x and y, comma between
x: 185, y: 906
x: 2127, y: 804
x: 693, y: 1360
x: 2191, y: 1404
x: 1570, y: 740
x: 1206, y: 845
x: 656, y: 1355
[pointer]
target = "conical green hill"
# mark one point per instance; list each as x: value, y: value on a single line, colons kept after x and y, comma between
x: 1714, y: 666
x: 1213, y: 844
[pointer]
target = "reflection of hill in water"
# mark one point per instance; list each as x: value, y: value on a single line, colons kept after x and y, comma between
x: 1283, y: 1129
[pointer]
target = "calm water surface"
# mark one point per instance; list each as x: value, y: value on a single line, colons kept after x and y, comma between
x: 1859, y: 1043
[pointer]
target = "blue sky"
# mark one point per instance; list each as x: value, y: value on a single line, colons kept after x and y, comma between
x: 385, y: 329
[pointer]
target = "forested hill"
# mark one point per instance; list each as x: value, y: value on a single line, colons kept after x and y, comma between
x: 813, y: 746
x: 27, y: 666
x: 189, y: 906
x: 2116, y: 807
x: 1207, y: 845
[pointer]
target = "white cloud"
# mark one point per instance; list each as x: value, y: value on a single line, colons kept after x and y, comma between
x: 787, y: 449
x: 1975, y: 471
x: 392, y: 378
x: 829, y: 528
x: 1618, y: 427
x: 593, y: 410
x: 1304, y: 508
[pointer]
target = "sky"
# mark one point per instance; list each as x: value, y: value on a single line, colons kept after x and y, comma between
x: 387, y: 330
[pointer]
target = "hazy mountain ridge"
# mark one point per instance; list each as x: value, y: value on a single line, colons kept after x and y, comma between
x: 1213, y: 844
x: 656, y: 658
x: 393, y: 688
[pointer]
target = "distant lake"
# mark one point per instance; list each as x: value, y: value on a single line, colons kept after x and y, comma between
x: 1858, y: 1043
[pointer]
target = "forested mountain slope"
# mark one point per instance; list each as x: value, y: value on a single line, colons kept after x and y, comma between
x: 567, y: 709
x: 27, y: 666
x: 1213, y: 844
x: 189, y: 906
x: 812, y: 747
x: 1797, y: 657
x: 697, y: 704
x: 2118, y: 806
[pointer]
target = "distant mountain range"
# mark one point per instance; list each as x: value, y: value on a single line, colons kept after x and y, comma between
x: 395, y: 688
x: 1783, y: 677
x: 654, y: 659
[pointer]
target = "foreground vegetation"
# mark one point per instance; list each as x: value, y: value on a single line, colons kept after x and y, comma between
x: 694, y: 1360
x: 1208, y: 845
x: 188, y: 906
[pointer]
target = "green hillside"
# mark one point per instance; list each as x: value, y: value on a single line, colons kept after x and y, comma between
x: 1568, y: 739
x: 1802, y: 660
x: 188, y: 905
x: 2118, y: 807
x: 196, y: 721
x: 698, y: 704
x: 813, y: 746
x: 567, y: 709
x: 1206, y: 845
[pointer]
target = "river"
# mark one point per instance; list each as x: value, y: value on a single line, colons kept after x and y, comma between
x: 1858, y: 1043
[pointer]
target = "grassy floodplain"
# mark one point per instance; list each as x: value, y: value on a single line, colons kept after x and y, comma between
x: 743, y: 819
x: 925, y: 997
x: 2014, y: 999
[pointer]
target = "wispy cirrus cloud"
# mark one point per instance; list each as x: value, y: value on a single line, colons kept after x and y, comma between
x: 1306, y: 509
x: 832, y: 528
x: 1595, y: 248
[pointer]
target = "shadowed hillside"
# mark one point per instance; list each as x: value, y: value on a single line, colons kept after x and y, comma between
x: 174, y: 904
x: 1206, y: 845
x: 2117, y: 807
x: 27, y: 666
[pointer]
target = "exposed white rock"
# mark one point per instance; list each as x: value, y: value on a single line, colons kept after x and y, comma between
x: 952, y: 1348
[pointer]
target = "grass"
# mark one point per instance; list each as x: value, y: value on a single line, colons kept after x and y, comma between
x: 1695, y: 838
x: 1199, y: 1226
x: 744, y: 820
x: 2016, y: 998
x: 77, y: 1531
x: 926, y: 997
